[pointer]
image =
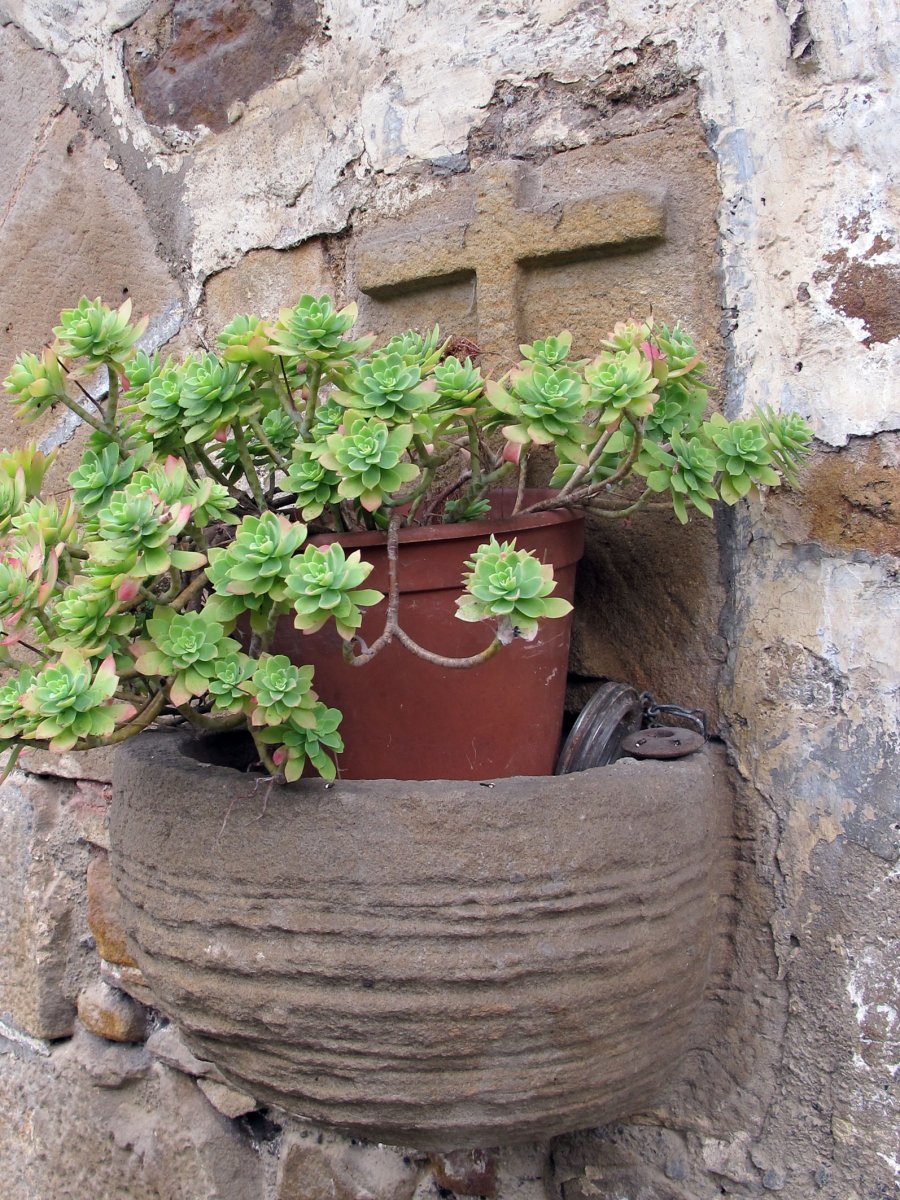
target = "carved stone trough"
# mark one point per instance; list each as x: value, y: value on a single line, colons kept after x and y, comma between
x: 432, y: 964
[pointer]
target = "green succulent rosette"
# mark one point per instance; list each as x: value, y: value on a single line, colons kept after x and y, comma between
x: 185, y: 648
x: 458, y: 384
x: 511, y: 587
x: 687, y: 469
x: 281, y: 692
x: 621, y: 382
x: 788, y: 437
x: 90, y: 620
x: 299, y: 744
x: 548, y: 405
x: 74, y: 702
x: 37, y: 382
x: 417, y: 349
x: 102, y: 472
x: 19, y: 588
x: 15, y: 721
x: 214, y: 394
x: 367, y: 458
x: 99, y: 335
x: 551, y: 352
x: 137, y: 524
x: 388, y: 388
x: 743, y: 456
x: 31, y: 462
x: 245, y: 339
x: 46, y: 521
x: 324, y: 583
x: 143, y: 368
x: 253, y: 568
x: 313, y: 484
x: 314, y: 331
x: 161, y: 415
x: 226, y: 680
x: 12, y: 497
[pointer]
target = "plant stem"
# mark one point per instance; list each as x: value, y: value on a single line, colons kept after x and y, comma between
x: 247, y: 463
x: 523, y: 480
x: 223, y: 723
x: 188, y: 593
x: 112, y: 403
x: 392, y: 628
x: 264, y: 438
x: 312, y: 398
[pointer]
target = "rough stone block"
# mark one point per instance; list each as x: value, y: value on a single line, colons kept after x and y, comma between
x: 228, y: 1100
x: 71, y: 1132
x: 96, y: 764
x: 265, y: 281
x: 103, y: 913
x: 127, y: 979
x: 110, y: 1014
x: 70, y: 215
x: 316, y: 1166
x: 109, y: 1064
x: 45, y: 948
x: 167, y: 1044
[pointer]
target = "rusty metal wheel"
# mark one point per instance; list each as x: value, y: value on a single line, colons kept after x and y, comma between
x: 613, y: 712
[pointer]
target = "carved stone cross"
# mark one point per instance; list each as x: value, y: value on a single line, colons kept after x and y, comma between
x: 495, y: 235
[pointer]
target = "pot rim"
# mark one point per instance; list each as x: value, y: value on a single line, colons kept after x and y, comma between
x: 501, y: 498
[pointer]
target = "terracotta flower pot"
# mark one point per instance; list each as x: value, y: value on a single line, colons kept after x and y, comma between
x: 405, y: 718
x: 433, y: 964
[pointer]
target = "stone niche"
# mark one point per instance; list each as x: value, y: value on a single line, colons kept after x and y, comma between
x: 516, y: 250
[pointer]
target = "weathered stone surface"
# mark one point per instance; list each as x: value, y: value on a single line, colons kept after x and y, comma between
x: 152, y: 1138
x: 316, y: 1166
x: 228, y: 1100
x: 86, y: 765
x: 104, y: 915
x: 848, y: 500
x: 265, y: 281
x: 467, y: 1172
x: 167, y: 1044
x: 111, y: 1014
x: 191, y: 64
x: 109, y: 1064
x: 70, y: 225
x: 44, y: 954
x: 129, y: 980
x: 531, y: 884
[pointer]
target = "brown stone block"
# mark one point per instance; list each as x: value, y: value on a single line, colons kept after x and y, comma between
x: 317, y: 1166
x: 103, y: 913
x: 848, y: 499
x: 265, y: 281
x: 111, y: 1014
x: 43, y: 952
x: 467, y: 1172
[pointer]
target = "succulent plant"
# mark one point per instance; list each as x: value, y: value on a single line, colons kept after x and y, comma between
x: 97, y: 334
x: 368, y: 459
x: 281, y: 692
x: 511, y: 587
x: 324, y: 583
x: 155, y: 585
x: 74, y: 701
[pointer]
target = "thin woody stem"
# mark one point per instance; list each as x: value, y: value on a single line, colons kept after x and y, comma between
x: 392, y: 628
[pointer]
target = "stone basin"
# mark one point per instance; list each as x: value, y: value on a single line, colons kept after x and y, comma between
x: 434, y: 964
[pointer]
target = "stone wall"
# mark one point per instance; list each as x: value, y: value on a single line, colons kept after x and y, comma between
x: 205, y: 159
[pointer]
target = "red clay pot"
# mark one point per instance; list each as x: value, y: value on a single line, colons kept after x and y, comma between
x: 405, y: 718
